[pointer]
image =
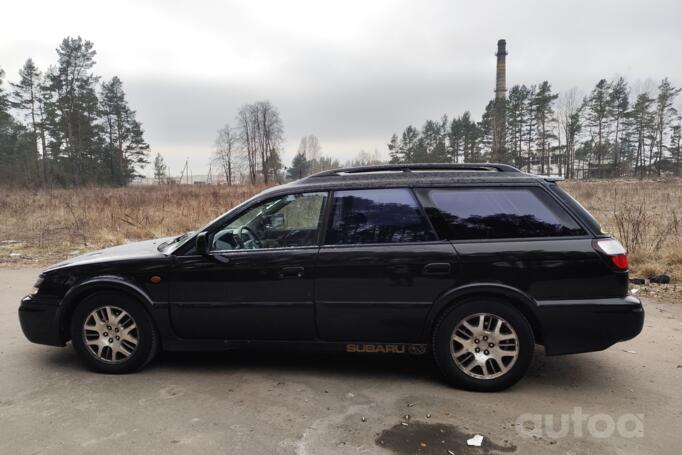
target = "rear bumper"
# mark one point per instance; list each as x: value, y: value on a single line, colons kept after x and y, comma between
x: 573, y: 326
x: 39, y: 321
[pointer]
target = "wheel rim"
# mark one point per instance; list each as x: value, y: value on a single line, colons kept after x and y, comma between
x: 110, y: 334
x: 484, y: 346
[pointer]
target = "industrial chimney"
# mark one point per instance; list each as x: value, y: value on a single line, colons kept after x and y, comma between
x: 499, y: 153
x: 501, y: 87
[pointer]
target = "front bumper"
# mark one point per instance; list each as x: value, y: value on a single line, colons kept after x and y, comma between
x: 575, y: 326
x: 39, y: 320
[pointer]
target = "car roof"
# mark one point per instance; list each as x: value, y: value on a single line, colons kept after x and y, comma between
x: 411, y: 175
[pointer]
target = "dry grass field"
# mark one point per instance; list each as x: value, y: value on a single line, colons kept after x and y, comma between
x: 44, y: 226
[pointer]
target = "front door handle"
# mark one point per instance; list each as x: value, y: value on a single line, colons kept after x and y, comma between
x: 437, y: 268
x: 291, y: 272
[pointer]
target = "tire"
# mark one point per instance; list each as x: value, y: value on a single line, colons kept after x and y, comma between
x: 125, y: 318
x: 491, y: 369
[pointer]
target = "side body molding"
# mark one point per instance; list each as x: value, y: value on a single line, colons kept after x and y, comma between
x: 525, y: 303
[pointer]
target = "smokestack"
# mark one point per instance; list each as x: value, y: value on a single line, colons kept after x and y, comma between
x: 498, y: 152
x: 501, y: 86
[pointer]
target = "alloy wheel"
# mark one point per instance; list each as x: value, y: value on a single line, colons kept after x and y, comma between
x: 110, y: 334
x: 484, y: 346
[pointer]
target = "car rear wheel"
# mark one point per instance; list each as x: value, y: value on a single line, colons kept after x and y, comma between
x: 112, y: 333
x: 483, y: 345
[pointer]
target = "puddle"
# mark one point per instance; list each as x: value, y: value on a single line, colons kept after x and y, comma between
x: 434, y: 438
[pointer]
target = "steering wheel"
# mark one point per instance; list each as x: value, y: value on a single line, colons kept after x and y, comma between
x: 252, y: 234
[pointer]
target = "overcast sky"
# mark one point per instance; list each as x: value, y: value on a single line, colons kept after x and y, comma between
x: 350, y: 72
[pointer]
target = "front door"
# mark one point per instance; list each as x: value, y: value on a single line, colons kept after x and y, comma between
x: 256, y: 283
x: 380, y: 269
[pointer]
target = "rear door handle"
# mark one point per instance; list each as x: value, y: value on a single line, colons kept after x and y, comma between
x: 291, y: 272
x: 437, y: 268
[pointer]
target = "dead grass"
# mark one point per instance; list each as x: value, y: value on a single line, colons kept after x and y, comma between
x: 44, y: 226
x: 646, y: 216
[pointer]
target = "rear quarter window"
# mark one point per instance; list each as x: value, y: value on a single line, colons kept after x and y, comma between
x: 586, y: 216
x: 496, y: 213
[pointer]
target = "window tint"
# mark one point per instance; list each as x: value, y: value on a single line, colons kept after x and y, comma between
x: 287, y: 221
x: 496, y: 213
x: 575, y: 205
x: 377, y: 216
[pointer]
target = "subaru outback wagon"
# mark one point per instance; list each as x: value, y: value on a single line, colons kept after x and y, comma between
x: 472, y: 263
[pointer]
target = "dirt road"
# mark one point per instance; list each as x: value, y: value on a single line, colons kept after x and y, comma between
x: 626, y: 400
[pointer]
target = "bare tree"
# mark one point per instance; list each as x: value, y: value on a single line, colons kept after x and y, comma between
x: 261, y: 134
x: 310, y: 147
x: 225, y: 146
x: 246, y: 138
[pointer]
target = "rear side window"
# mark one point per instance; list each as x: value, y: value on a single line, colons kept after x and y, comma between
x: 376, y: 216
x: 496, y: 213
x: 591, y: 222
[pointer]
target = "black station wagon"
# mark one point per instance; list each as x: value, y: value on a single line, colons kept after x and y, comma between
x: 472, y: 263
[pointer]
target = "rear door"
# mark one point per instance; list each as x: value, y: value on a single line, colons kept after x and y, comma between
x: 380, y: 268
x: 519, y: 236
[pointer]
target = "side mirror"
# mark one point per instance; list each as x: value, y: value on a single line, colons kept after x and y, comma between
x: 201, y: 244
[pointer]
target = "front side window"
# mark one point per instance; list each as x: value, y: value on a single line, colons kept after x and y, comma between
x: 496, y: 213
x: 376, y: 216
x: 284, y: 222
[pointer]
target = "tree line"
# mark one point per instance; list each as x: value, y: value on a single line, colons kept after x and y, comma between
x: 612, y: 131
x: 67, y: 127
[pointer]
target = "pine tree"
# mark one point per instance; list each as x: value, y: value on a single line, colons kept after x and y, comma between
x: 126, y: 149
x: 433, y: 147
x: 598, y: 111
x: 487, y: 125
x: 516, y: 121
x: 642, y: 120
x: 28, y: 97
x: 530, y: 125
x: 619, y: 104
x: 3, y: 94
x: 544, y: 110
x: 300, y: 167
x: 76, y: 136
x: 394, y: 149
x: 665, y: 115
x: 675, y: 150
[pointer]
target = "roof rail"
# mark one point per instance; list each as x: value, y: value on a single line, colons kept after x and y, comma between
x: 473, y: 167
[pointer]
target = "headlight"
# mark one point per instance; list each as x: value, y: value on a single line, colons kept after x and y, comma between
x: 36, y: 286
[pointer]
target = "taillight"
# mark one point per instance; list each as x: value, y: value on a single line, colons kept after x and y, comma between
x: 614, y: 250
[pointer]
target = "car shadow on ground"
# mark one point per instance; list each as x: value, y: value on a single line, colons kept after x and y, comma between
x: 562, y: 372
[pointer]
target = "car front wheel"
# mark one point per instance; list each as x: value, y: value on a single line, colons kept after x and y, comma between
x: 483, y: 345
x: 112, y: 333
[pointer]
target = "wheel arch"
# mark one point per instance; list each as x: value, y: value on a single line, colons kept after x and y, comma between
x: 79, y: 292
x: 516, y: 298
